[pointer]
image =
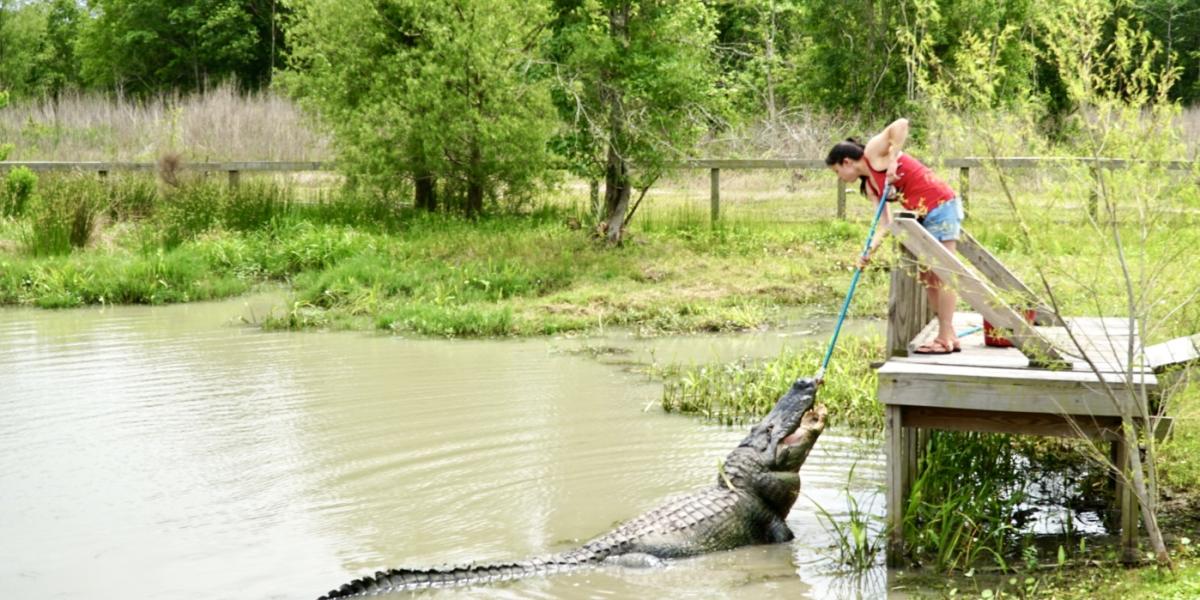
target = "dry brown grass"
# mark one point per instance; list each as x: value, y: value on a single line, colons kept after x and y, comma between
x: 1189, y: 122
x: 218, y: 124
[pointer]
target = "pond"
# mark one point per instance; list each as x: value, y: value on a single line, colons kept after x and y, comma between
x: 177, y: 452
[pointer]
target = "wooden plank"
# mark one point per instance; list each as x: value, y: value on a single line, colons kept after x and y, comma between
x: 907, y: 367
x: 1002, y: 278
x: 1184, y: 351
x: 1002, y: 390
x: 1046, y: 424
x: 895, y: 446
x: 1108, y: 352
x: 908, y: 305
x: 711, y: 163
x: 977, y: 293
x: 1029, y: 162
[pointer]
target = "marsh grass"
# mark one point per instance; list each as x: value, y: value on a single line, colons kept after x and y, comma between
x: 859, y: 538
x: 64, y: 217
x: 743, y: 391
x: 960, y: 508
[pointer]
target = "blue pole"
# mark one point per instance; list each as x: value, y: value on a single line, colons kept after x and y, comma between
x: 853, y: 284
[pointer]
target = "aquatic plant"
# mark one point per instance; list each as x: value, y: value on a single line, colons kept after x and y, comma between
x: 860, y: 537
x: 959, y: 509
x: 741, y: 391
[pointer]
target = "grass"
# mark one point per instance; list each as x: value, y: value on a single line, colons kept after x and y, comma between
x: 1085, y: 578
x: 743, y: 391
x: 966, y: 489
x: 860, y: 537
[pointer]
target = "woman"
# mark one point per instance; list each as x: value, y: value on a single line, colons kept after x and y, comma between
x: 919, y: 191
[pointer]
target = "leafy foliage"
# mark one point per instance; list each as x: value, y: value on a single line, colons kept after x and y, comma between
x: 152, y: 46
x: 412, y: 88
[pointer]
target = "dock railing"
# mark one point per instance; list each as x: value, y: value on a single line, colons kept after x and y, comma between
x: 964, y: 165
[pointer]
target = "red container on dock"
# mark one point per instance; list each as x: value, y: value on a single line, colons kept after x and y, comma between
x: 993, y: 336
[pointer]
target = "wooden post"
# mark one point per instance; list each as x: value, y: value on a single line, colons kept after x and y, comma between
x: 1127, y: 503
x: 594, y: 197
x: 897, y: 486
x: 841, y: 199
x: 715, y: 195
x: 1093, y: 193
x: 964, y: 184
x: 234, y: 178
x: 908, y: 305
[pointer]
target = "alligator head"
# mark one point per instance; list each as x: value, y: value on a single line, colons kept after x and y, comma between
x: 768, y: 461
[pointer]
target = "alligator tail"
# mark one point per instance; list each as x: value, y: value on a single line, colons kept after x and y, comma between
x: 397, y: 580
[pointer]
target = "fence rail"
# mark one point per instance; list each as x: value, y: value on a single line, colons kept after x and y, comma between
x: 964, y: 166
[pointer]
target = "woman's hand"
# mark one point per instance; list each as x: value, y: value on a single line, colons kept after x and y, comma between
x: 862, y: 260
x: 893, y: 173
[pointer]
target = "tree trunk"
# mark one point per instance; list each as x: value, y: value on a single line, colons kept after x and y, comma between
x: 616, y: 170
x: 474, y: 184
x: 594, y: 198
x: 772, y: 112
x: 425, y: 195
x: 616, y: 196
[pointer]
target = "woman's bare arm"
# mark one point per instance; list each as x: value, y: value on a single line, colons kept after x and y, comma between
x: 883, y: 150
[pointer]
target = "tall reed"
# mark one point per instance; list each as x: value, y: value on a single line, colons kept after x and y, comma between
x: 968, y: 486
x: 219, y: 123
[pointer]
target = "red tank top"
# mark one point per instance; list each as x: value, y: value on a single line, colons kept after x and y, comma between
x: 917, y: 188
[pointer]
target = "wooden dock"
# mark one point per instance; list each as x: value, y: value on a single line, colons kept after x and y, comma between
x: 1001, y: 390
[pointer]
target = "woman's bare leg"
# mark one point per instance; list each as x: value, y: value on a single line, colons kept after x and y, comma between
x: 944, y: 300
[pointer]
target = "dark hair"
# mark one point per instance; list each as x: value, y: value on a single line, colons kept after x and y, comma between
x: 848, y: 148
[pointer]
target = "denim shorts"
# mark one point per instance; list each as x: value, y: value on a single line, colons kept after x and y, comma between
x: 945, y: 221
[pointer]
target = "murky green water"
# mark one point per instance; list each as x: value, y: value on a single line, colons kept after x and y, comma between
x: 173, y: 452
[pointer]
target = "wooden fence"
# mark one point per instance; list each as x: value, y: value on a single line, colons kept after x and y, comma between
x: 964, y: 166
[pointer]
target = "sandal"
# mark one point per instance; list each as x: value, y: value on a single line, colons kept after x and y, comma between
x: 934, y: 347
x: 957, y: 346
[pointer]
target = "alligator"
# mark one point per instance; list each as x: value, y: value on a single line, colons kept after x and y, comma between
x: 755, y: 488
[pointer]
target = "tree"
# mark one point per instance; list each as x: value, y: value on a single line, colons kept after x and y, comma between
x: 4, y: 148
x: 149, y: 46
x: 61, y: 63
x: 636, y: 83
x: 1175, y: 23
x: 22, y: 34
x: 428, y: 90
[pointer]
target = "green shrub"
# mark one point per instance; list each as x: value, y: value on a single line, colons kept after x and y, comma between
x: 254, y: 206
x: 64, y: 216
x: 187, y: 212
x: 132, y: 197
x: 19, y: 188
